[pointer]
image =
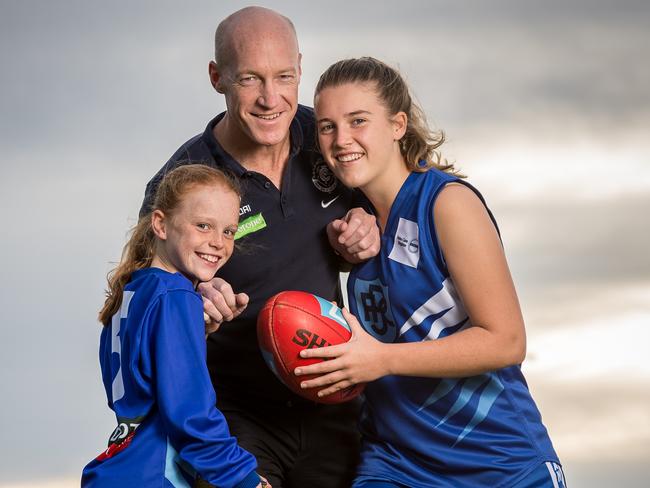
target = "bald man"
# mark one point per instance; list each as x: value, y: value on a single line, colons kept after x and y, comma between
x: 295, y: 223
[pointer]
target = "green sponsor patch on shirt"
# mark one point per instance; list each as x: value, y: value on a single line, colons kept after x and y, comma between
x: 250, y: 225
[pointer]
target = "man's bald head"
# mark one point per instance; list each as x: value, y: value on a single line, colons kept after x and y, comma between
x: 250, y: 21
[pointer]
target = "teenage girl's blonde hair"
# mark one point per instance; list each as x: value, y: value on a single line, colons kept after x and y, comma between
x: 420, y: 144
x: 138, y: 251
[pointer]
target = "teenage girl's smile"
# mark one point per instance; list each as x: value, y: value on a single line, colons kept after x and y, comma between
x: 348, y: 157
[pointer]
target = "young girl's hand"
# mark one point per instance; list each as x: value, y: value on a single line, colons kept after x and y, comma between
x: 360, y: 360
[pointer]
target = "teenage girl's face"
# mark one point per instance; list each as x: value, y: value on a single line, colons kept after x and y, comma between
x: 199, y: 237
x: 358, y: 138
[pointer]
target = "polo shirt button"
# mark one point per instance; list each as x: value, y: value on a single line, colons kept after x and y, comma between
x: 267, y: 185
x: 289, y: 404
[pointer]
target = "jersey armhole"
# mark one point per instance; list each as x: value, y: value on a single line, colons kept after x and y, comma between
x: 434, y: 234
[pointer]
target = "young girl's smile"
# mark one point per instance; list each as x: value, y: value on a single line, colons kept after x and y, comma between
x: 198, y: 238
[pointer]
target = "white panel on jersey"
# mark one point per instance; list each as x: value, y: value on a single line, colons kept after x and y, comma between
x: 116, y: 345
x: 406, y: 245
x: 446, y: 299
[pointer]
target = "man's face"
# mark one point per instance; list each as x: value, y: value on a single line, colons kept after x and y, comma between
x: 260, y: 83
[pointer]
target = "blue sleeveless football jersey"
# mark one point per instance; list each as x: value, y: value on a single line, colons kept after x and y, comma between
x: 169, y: 431
x: 482, y: 430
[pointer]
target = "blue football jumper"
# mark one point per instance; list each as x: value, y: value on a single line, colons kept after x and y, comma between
x: 482, y: 430
x: 169, y: 431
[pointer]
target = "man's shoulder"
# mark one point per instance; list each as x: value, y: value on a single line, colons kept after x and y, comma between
x: 196, y: 149
x: 194, y: 146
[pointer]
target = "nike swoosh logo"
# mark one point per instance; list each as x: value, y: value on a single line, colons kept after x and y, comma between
x: 325, y: 204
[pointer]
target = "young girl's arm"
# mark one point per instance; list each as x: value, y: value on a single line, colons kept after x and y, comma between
x: 185, y: 395
x: 478, y: 268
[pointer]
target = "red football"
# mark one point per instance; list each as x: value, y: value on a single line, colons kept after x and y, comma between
x: 295, y: 320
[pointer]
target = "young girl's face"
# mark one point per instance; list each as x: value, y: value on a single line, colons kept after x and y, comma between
x: 357, y: 136
x: 199, y: 237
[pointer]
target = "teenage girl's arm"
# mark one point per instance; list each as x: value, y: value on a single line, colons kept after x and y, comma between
x: 478, y: 268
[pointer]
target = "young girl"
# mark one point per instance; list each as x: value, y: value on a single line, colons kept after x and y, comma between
x: 441, y: 335
x: 152, y: 349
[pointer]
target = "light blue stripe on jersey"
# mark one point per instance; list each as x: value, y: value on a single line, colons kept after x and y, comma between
x: 489, y: 395
x: 172, y: 469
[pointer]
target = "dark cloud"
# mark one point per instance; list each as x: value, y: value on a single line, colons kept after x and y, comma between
x: 94, y: 73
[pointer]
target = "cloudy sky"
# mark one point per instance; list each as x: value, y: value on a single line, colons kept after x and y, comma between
x: 546, y: 107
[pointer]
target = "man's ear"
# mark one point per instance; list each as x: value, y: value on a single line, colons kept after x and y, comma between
x: 159, y: 224
x: 400, y: 121
x: 215, y: 77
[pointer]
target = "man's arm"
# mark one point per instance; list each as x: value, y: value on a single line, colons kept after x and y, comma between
x: 356, y: 236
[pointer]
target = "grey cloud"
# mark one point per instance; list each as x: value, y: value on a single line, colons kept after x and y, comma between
x: 137, y: 72
x: 568, y: 242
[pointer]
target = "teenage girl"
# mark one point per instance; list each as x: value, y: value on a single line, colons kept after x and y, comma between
x: 440, y: 335
x: 152, y: 348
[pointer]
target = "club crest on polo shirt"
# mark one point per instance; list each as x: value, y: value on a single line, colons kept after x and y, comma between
x: 406, y: 244
x: 322, y: 176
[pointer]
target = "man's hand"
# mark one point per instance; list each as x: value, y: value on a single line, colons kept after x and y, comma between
x: 220, y: 303
x: 356, y: 236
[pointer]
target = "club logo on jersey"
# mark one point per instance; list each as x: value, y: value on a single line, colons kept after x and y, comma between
x: 406, y: 245
x: 322, y: 176
x: 249, y: 225
x: 374, y: 309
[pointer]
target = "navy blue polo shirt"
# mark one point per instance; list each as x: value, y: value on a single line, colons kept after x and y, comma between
x: 282, y: 245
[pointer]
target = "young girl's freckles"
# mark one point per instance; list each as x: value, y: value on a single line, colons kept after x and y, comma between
x: 198, y: 238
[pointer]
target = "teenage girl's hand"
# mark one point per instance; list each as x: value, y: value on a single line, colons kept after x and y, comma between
x: 359, y: 360
x: 220, y: 303
x: 356, y: 236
